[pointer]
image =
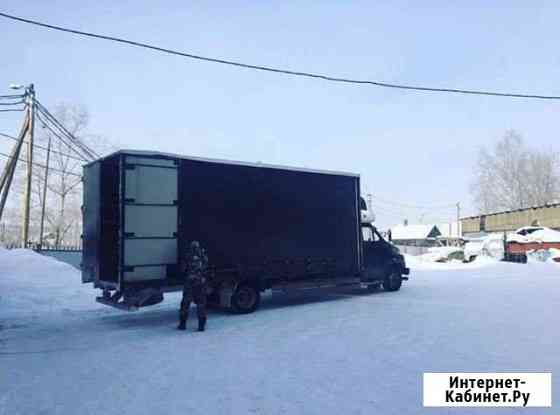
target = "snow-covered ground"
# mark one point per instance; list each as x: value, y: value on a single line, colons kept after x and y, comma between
x: 346, y: 353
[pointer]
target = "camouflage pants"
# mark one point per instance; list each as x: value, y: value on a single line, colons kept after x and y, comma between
x: 193, y: 294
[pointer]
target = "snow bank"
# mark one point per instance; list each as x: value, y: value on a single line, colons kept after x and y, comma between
x: 544, y: 255
x: 441, y: 253
x: 543, y: 235
x: 423, y: 263
x: 31, y: 283
x: 491, y: 245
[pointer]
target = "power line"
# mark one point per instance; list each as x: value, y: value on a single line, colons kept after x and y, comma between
x: 87, y: 151
x: 425, y: 219
x: 68, y: 136
x: 411, y: 206
x: 44, y: 148
x: 272, y: 69
x: 11, y: 96
x: 63, y: 140
x: 385, y: 213
x: 12, y: 103
x: 42, y: 165
x: 13, y: 110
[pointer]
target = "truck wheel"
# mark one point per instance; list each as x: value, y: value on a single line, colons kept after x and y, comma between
x: 393, y: 281
x: 245, y: 299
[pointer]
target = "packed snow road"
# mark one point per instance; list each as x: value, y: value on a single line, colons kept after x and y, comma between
x: 346, y: 353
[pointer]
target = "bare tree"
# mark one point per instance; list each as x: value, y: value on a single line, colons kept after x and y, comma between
x: 64, y: 191
x: 544, y: 180
x: 512, y: 176
x: 63, y: 181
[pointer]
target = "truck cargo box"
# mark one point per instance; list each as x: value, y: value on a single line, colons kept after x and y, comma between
x: 275, y: 224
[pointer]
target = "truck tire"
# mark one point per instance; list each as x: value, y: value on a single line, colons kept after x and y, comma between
x: 393, y: 281
x: 245, y: 299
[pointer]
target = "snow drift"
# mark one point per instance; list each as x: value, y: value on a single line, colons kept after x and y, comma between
x: 541, y: 235
x: 33, y: 284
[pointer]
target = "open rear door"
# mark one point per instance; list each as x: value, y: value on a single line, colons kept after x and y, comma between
x: 149, y: 212
x: 91, y: 222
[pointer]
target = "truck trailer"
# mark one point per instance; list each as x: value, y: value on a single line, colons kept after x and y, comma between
x: 262, y: 226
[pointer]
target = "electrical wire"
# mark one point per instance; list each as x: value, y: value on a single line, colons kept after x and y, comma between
x: 87, y: 151
x: 45, y: 148
x: 43, y: 166
x: 390, y: 214
x: 13, y: 103
x: 383, y: 211
x: 410, y: 206
x: 85, y: 154
x: 13, y: 110
x: 64, y: 140
x: 276, y: 70
x: 11, y: 96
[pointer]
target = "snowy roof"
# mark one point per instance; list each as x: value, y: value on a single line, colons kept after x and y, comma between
x: 448, y: 230
x: 405, y: 232
x: 222, y: 161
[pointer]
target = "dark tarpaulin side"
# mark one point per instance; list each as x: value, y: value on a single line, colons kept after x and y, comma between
x: 248, y: 216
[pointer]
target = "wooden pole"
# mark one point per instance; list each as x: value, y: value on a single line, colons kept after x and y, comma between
x: 30, y: 93
x: 8, y: 166
x: 8, y: 174
x: 44, y: 195
x: 14, y: 154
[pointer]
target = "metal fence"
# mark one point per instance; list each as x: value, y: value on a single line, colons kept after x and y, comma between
x: 37, y: 247
x: 69, y: 256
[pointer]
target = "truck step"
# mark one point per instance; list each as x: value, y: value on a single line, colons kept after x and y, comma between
x: 327, y: 283
x: 119, y: 305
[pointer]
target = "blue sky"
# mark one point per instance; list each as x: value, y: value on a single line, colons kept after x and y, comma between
x: 410, y: 148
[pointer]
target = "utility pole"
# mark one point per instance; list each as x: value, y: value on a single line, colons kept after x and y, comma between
x: 30, y: 101
x: 9, y: 169
x: 459, y: 220
x: 44, y: 195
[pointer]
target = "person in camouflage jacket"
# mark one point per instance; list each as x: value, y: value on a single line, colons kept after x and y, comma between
x: 195, y: 286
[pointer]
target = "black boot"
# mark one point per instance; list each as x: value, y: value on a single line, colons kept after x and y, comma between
x: 201, y: 324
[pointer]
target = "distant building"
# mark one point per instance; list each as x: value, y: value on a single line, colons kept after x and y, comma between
x: 415, y: 235
x: 450, y: 234
x: 508, y: 221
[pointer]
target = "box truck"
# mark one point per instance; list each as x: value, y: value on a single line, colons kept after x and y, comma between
x: 263, y: 227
